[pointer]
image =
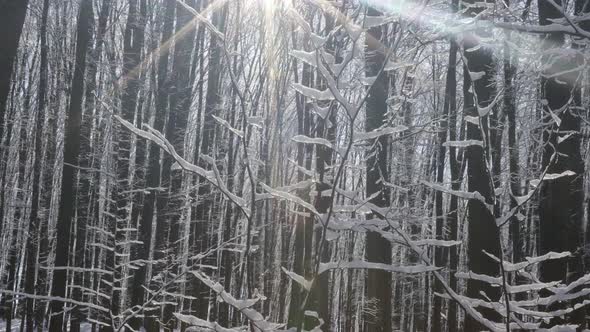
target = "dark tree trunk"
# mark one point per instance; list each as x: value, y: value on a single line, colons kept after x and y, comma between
x: 71, y: 153
x: 509, y: 102
x: 303, y: 224
x: 561, y: 200
x: 378, y: 249
x: 483, y: 234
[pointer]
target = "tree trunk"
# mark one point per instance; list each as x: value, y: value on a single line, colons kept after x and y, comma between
x: 180, y: 102
x: 561, y: 200
x: 34, y: 222
x: 71, y: 153
x: 483, y: 234
x: 378, y: 249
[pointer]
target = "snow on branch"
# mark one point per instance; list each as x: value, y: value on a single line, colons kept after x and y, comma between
x: 359, y: 264
x: 197, y: 322
x: 461, y: 194
x: 228, y: 126
x: 243, y: 306
x: 56, y: 298
x: 463, y: 144
x: 512, y: 267
x: 315, y: 140
x: 159, y: 139
x: 552, y: 176
x: 379, y: 132
x: 306, y: 284
x: 311, y: 58
x: 321, y: 95
x: 290, y: 197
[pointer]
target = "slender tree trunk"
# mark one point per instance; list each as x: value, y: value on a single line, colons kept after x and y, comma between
x: 446, y: 124
x: 205, y: 146
x: 180, y: 102
x: 71, y: 152
x: 155, y: 173
x: 34, y: 222
x: 454, y: 168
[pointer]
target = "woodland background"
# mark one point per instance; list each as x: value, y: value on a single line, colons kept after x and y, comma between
x: 262, y: 165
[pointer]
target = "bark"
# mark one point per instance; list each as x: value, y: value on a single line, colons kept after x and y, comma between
x: 483, y: 234
x: 34, y: 222
x: 303, y: 227
x: 561, y: 200
x: 378, y: 249
x: 448, y: 121
x: 180, y: 102
x: 155, y: 173
x: 71, y: 153
x: 205, y: 145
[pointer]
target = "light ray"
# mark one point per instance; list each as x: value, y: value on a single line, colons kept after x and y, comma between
x: 165, y: 47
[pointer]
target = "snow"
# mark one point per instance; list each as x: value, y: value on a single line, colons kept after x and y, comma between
x: 476, y: 75
x: 289, y: 197
x: 461, y: 194
x: 228, y: 126
x: 313, y: 140
x: 552, y: 176
x: 391, y: 65
x: 511, y: 267
x: 363, y: 136
x: 206, y: 325
x: 472, y: 119
x: 359, y: 264
x: 321, y: 95
x: 306, y: 284
x: 463, y: 144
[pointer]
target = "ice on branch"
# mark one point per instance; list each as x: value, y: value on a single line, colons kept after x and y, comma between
x: 306, y: 284
x: 321, y: 95
x: 313, y: 140
x: 243, y: 306
x: 359, y: 264
x: 228, y: 126
x: 476, y: 75
x: 461, y: 194
x: 290, y: 197
x: 311, y: 58
x: 391, y: 65
x: 379, y: 132
x: 552, y: 176
x: 203, y: 324
x: 463, y: 144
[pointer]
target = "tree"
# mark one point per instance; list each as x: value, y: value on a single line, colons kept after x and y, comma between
x: 34, y: 229
x: 561, y: 200
x: 483, y: 234
x: 71, y: 154
x: 378, y: 249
